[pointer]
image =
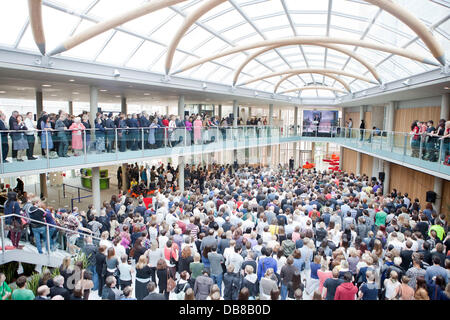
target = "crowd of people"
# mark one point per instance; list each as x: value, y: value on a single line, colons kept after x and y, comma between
x: 239, y: 233
x: 59, y: 133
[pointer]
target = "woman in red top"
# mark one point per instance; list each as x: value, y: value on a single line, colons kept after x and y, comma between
x: 415, y: 140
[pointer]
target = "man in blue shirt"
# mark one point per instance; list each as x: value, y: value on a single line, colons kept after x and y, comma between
x: 435, y: 270
x: 266, y: 262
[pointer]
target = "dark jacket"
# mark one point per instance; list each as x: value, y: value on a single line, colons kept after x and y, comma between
x: 232, y: 285
x: 155, y: 296
x: 55, y: 291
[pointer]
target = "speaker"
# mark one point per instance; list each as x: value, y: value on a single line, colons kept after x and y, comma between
x: 381, y: 176
x: 431, y: 196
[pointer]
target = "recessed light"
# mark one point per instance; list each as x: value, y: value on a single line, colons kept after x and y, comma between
x: 118, y: 96
x: 146, y: 94
x: 103, y: 90
x: 72, y: 80
x: 446, y: 88
x: 2, y: 91
x: 54, y: 95
x: 75, y: 93
x: 47, y: 85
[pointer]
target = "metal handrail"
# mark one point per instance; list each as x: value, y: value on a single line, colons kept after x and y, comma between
x: 48, y: 224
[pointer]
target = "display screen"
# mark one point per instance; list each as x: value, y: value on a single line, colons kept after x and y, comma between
x: 321, y: 122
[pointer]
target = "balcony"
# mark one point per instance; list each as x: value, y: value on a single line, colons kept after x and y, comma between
x: 116, y: 146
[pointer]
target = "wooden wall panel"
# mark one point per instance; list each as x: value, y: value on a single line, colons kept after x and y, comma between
x: 404, y: 117
x: 355, y: 118
x: 349, y: 164
x: 445, y: 208
x: 366, y: 164
x: 415, y: 183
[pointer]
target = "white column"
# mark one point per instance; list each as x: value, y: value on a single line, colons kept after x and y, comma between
x: 235, y: 112
x: 438, y: 186
x: 96, y: 195
x: 445, y: 106
x: 358, y: 163
x: 389, y: 119
x: 220, y: 112
x: 271, y: 114
x: 361, y: 113
x: 387, y: 177
x: 296, y: 155
x: 70, y: 103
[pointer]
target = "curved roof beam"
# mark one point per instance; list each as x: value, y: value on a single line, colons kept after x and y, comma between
x: 299, y: 71
x: 37, y: 27
x: 329, y: 46
x: 415, y: 24
x: 313, y: 40
x: 188, y: 22
x: 315, y: 88
x: 328, y: 75
x: 114, y: 22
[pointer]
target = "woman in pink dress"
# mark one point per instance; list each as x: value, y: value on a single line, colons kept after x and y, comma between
x: 323, y: 275
x: 77, y: 135
x: 198, y: 130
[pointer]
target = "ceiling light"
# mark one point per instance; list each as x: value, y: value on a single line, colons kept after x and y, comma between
x: 72, y: 80
x: 103, y: 90
x: 146, y: 94
x: 116, y: 73
x: 446, y: 88
x: 2, y: 91
x: 47, y: 85
x: 75, y: 93
x: 204, y: 86
x: 54, y: 95
x: 407, y: 82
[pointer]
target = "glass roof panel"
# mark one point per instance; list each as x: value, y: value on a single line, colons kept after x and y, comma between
x: 235, y: 23
x: 12, y: 20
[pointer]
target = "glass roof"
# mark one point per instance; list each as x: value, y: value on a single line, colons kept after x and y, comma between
x: 142, y: 43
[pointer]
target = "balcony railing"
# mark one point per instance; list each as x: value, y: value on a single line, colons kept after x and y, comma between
x: 72, y: 148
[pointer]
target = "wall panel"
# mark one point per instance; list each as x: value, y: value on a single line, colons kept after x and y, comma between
x: 404, y: 117
x: 413, y: 182
x: 366, y: 164
x: 445, y: 208
x: 349, y: 163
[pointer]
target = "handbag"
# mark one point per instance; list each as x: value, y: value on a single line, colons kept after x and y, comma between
x: 171, y: 284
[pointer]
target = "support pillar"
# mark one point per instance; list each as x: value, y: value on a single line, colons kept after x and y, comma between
x: 445, y: 106
x: 341, y: 158
x: 387, y: 177
x: 71, y: 107
x: 125, y: 177
x: 123, y: 105
x: 220, y: 112
x: 358, y: 163
x: 438, y: 187
x: 269, y: 148
x: 42, y: 176
x: 296, y: 153
x: 389, y: 119
x: 181, y: 160
x: 93, y: 109
x: 96, y: 195
x: 235, y: 113
x: 43, y: 185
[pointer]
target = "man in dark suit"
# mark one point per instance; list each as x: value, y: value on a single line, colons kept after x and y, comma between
x: 58, y: 289
x: 110, y: 292
x: 12, y: 124
x: 153, y: 295
x: 4, y: 137
x: 110, y: 132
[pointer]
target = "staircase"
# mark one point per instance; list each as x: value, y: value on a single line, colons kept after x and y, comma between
x: 29, y: 253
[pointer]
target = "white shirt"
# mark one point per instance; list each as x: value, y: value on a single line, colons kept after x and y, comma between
x: 30, y: 126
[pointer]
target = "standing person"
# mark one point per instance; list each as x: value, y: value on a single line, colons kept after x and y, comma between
x: 38, y: 229
x: 13, y: 124
x: 332, y: 284
x: 232, y: 282
x: 267, y: 284
x: 87, y: 125
x: 77, y: 129
x: 202, y: 286
x: 125, y: 272
x: 369, y: 289
x: 5, y: 290
x: 110, y: 133
x: 198, y: 130
x: 46, y: 135
x: 362, y: 127
x: 11, y: 206
x: 350, y: 127
x: 63, y: 143
x: 415, y: 139
x: 143, y: 275
x: 347, y: 290
x: 152, y: 134
x: 20, y: 143
x: 100, y: 267
x: 286, y: 275
x: 22, y: 293
x: 216, y: 261
x: 30, y: 135
x: 99, y: 135
x: 4, y: 137
x: 122, y: 133
x: 163, y: 274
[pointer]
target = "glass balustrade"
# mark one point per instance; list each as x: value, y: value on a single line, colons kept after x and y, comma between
x: 61, y: 149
